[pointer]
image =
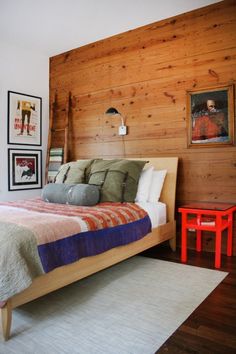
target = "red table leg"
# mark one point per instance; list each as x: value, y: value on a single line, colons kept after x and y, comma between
x: 199, y: 240
x: 184, y: 239
x: 218, y: 242
x: 230, y: 234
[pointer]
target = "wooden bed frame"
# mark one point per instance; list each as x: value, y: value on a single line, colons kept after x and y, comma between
x: 68, y: 274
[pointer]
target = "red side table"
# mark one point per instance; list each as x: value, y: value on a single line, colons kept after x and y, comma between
x: 206, y: 216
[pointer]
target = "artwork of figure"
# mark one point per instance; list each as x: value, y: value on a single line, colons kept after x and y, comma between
x: 210, y: 116
x: 25, y: 169
x: 24, y: 119
x: 25, y: 107
x: 209, y: 123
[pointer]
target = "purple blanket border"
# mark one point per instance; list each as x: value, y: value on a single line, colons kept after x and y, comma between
x: 91, y: 243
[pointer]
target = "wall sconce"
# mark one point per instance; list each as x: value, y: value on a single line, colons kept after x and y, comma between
x: 122, y: 128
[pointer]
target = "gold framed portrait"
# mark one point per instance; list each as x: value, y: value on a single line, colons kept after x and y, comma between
x: 210, y: 116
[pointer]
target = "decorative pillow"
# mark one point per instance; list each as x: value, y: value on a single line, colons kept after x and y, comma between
x: 118, y: 179
x: 144, y: 185
x: 158, y: 178
x: 74, y: 172
x: 76, y: 194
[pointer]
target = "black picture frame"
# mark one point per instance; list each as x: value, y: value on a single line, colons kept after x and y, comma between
x: 24, y: 169
x: 24, y: 119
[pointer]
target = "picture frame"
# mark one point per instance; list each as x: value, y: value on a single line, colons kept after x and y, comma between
x: 210, y: 117
x: 24, y: 119
x: 24, y: 169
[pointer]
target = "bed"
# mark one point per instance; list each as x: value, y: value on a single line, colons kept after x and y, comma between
x: 69, y: 273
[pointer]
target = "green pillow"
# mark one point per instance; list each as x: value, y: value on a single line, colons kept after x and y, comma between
x: 118, y: 179
x: 74, y: 172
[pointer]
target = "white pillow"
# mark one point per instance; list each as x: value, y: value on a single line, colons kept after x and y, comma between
x: 158, y: 178
x: 144, y: 184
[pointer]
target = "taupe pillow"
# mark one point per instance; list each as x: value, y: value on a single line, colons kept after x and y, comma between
x: 118, y: 179
x: 76, y: 194
x: 74, y: 172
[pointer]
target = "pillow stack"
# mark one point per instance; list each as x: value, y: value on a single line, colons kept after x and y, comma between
x: 150, y: 185
x: 70, y: 185
x: 115, y: 181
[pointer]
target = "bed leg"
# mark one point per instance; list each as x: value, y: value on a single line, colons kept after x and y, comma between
x: 172, y: 241
x: 6, y: 314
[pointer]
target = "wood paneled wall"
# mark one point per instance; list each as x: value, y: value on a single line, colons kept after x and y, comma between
x: 145, y: 74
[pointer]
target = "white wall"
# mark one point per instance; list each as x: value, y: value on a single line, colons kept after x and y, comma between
x: 73, y: 23
x: 23, y: 71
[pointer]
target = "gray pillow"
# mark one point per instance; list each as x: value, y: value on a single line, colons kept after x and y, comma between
x: 74, y: 194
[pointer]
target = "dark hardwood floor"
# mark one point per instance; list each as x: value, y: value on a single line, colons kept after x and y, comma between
x: 211, y: 328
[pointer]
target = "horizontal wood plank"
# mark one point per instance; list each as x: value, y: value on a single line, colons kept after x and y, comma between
x: 146, y: 73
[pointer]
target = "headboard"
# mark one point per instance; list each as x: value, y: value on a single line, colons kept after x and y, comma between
x: 169, y: 189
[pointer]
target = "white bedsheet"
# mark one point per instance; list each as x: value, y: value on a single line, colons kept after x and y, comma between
x: 156, y: 212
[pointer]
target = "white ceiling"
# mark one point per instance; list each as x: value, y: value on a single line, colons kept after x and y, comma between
x: 55, y: 26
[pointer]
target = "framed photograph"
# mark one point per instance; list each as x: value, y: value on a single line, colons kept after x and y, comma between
x: 210, y: 117
x: 24, y: 119
x: 24, y: 169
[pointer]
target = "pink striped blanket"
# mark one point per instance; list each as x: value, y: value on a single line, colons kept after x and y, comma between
x: 37, y: 236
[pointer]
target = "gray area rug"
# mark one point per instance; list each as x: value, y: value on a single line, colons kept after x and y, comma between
x: 130, y: 308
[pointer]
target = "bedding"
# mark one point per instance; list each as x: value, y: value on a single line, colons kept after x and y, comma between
x: 156, y: 211
x: 157, y: 182
x: 144, y: 184
x: 60, y: 234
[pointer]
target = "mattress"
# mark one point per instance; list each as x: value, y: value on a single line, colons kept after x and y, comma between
x: 156, y: 212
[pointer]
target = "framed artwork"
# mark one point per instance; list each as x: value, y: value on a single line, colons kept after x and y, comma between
x: 24, y: 169
x: 210, y: 117
x: 24, y: 119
